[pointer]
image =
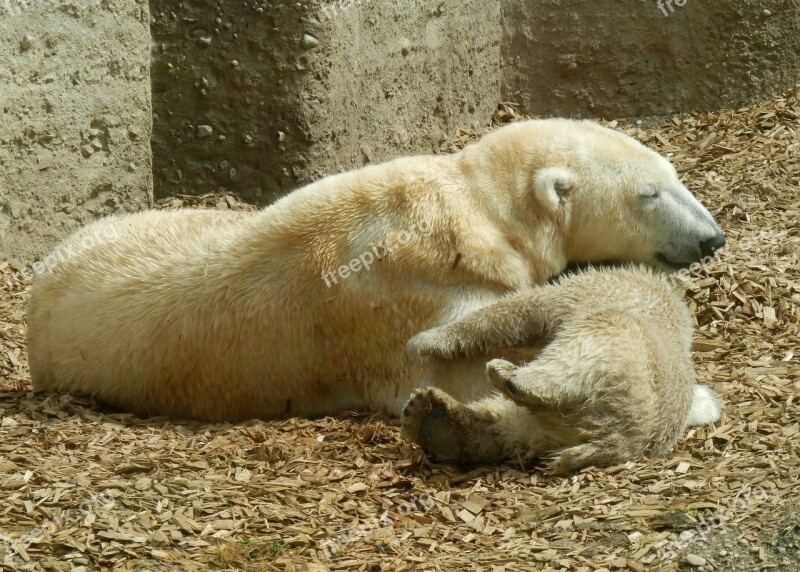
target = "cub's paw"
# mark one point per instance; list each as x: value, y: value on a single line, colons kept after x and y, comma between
x: 500, y: 373
x: 420, y: 406
x: 526, y: 391
x: 572, y: 459
x: 438, y: 342
x: 438, y: 423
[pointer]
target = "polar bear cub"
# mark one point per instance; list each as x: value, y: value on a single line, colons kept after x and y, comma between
x: 613, y: 382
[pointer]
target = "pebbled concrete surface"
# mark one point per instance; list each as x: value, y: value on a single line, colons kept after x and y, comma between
x: 734, y: 548
x: 263, y: 97
x: 613, y: 59
x: 76, y: 119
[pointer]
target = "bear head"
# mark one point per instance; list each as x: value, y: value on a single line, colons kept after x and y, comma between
x: 612, y: 198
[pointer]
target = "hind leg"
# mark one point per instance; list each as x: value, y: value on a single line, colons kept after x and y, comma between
x: 490, y: 430
x: 533, y: 385
x: 526, y: 420
x: 558, y: 379
x: 553, y: 404
x: 597, y: 403
x: 450, y: 431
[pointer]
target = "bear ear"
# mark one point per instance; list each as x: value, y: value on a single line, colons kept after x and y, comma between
x: 551, y: 186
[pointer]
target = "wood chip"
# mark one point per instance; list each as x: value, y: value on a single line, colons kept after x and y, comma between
x: 269, y: 495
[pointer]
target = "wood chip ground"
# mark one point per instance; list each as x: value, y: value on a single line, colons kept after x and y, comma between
x: 111, y: 491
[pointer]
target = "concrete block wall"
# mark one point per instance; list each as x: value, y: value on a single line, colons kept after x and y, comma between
x: 262, y: 97
x: 76, y: 118
x: 622, y: 58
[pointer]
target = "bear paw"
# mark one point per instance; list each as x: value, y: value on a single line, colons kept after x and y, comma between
x: 500, y: 374
x: 437, y: 342
x: 572, y: 459
x: 438, y: 423
x: 533, y: 393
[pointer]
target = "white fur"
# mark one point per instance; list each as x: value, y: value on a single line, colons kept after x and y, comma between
x: 614, y: 381
x: 706, y: 407
x: 216, y: 316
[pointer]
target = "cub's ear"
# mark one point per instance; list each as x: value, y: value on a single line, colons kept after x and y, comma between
x: 551, y: 186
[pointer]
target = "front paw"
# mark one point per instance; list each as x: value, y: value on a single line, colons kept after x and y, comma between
x: 437, y: 342
x: 500, y: 373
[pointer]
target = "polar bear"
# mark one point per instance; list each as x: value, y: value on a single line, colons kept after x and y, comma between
x: 305, y: 307
x: 613, y: 382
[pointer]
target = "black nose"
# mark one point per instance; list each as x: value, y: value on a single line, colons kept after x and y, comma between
x: 708, y: 247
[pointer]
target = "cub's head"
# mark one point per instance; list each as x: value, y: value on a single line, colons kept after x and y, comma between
x: 616, y: 200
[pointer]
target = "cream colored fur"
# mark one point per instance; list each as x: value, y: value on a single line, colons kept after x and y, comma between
x: 614, y: 381
x: 217, y: 316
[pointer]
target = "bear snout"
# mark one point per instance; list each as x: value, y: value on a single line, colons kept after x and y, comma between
x: 709, y: 246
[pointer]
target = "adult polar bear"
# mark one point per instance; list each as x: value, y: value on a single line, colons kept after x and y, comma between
x: 216, y: 316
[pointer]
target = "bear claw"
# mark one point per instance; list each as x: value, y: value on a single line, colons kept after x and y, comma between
x: 577, y: 457
x: 499, y: 373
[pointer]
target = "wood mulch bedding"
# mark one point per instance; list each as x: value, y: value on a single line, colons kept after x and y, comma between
x: 87, y: 489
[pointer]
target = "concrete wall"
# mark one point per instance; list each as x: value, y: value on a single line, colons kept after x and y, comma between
x: 75, y: 129
x: 261, y: 98
x: 616, y: 58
